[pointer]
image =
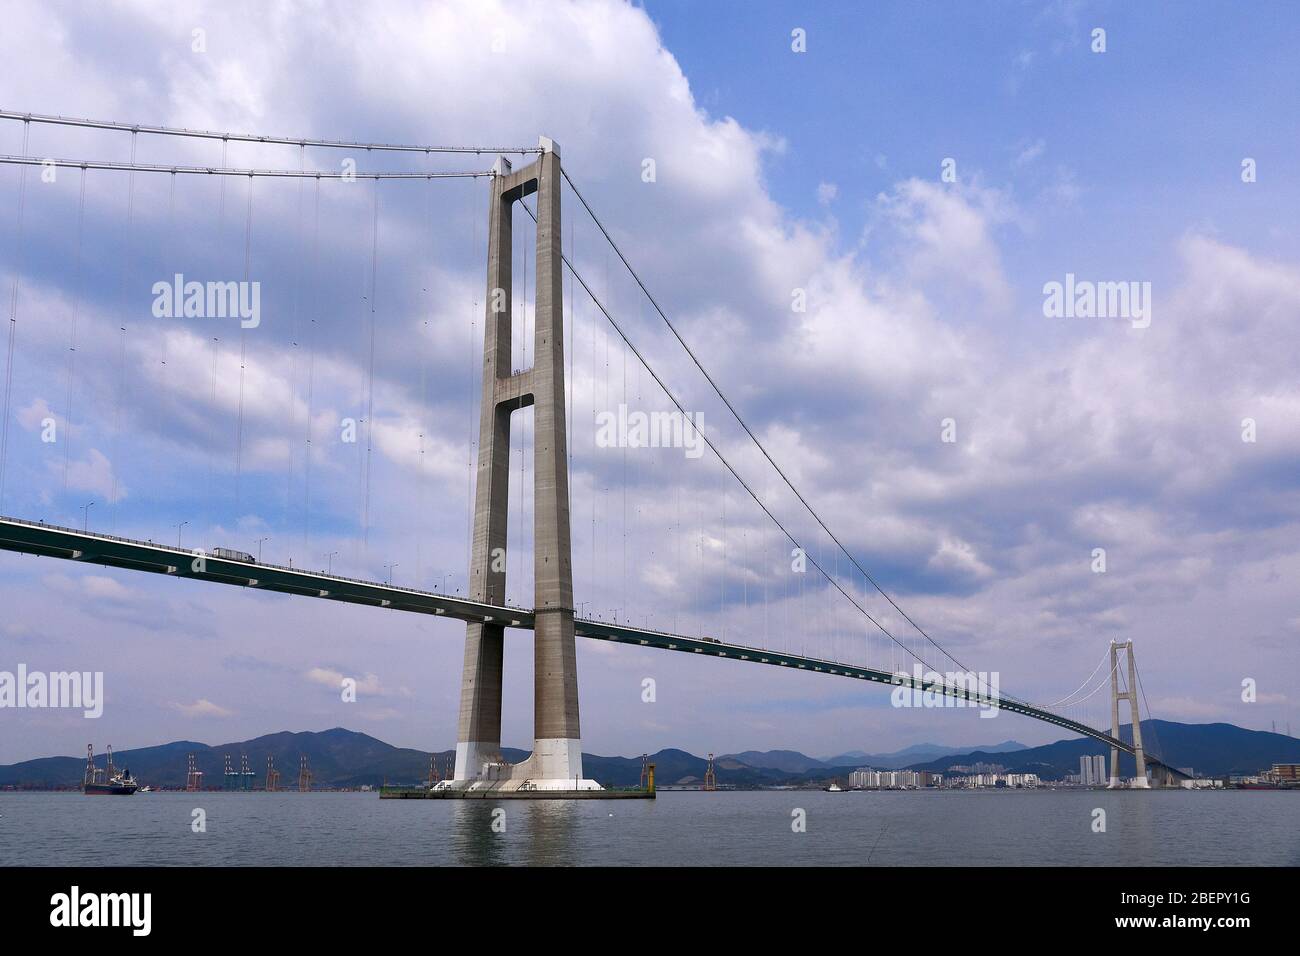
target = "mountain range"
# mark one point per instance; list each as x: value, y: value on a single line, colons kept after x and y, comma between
x: 791, y: 761
x: 1211, y: 750
x: 341, y: 758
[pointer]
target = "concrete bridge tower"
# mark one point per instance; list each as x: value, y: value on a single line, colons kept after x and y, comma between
x: 1130, y: 694
x: 556, y: 761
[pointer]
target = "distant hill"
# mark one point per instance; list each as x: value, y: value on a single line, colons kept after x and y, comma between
x: 344, y: 758
x: 1209, y: 749
x: 790, y: 761
x: 908, y: 755
x: 337, y: 757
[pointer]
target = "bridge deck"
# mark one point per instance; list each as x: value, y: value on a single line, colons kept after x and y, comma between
x: 37, y: 538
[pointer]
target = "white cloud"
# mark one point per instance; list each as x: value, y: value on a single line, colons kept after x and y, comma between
x: 1031, y: 152
x: 94, y: 473
x: 202, y: 708
x: 368, y: 684
x: 949, y: 232
x: 97, y: 586
x: 33, y: 416
x: 957, y: 555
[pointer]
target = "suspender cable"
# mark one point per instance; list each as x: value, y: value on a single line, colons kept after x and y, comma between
x: 121, y: 369
x: 1155, y: 738
x: 13, y: 317
x: 221, y: 222
x: 295, y: 347
x: 425, y: 356
x: 761, y: 447
x: 221, y: 208
x: 169, y: 242
x: 212, y: 401
x: 370, y: 372
x: 722, y: 577
x: 72, y: 332
x: 243, y: 346
x: 117, y: 424
x: 311, y: 367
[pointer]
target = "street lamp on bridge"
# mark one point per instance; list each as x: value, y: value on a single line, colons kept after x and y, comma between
x: 85, y: 516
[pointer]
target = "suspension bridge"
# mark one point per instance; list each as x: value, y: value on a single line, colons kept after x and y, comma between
x: 848, y: 636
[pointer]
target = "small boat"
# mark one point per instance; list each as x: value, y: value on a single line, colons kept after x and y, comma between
x: 834, y: 788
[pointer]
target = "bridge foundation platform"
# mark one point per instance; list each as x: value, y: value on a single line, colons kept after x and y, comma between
x: 496, y: 793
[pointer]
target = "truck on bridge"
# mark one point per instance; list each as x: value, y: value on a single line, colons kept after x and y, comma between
x: 228, y: 554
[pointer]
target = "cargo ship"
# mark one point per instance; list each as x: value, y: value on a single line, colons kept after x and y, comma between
x: 107, y: 782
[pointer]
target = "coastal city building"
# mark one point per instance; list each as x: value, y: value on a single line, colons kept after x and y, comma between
x: 1092, y: 771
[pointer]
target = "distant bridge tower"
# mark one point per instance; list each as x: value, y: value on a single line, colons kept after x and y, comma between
x: 193, y: 775
x: 304, y: 774
x: 1131, y: 695
x: 556, y: 761
x: 710, y: 778
x: 272, y: 775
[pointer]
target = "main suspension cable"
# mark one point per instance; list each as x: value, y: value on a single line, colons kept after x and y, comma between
x: 722, y: 458
x: 252, y: 138
x: 227, y: 171
x: 745, y: 426
x: 1066, y: 700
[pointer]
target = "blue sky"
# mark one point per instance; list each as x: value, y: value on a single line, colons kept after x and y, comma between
x: 776, y: 171
x: 1015, y: 94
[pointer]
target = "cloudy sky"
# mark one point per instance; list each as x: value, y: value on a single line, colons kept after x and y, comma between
x: 915, y: 176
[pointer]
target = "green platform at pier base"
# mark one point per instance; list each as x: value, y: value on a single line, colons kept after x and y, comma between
x: 420, y: 793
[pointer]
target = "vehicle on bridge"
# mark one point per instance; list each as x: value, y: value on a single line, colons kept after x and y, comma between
x: 229, y: 554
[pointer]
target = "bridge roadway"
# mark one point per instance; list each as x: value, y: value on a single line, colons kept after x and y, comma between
x: 38, y: 538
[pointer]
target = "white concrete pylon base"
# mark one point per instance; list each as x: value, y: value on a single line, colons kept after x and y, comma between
x: 548, y: 785
x: 555, y: 764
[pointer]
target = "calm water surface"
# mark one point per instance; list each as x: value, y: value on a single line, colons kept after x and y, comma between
x: 1013, y: 828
